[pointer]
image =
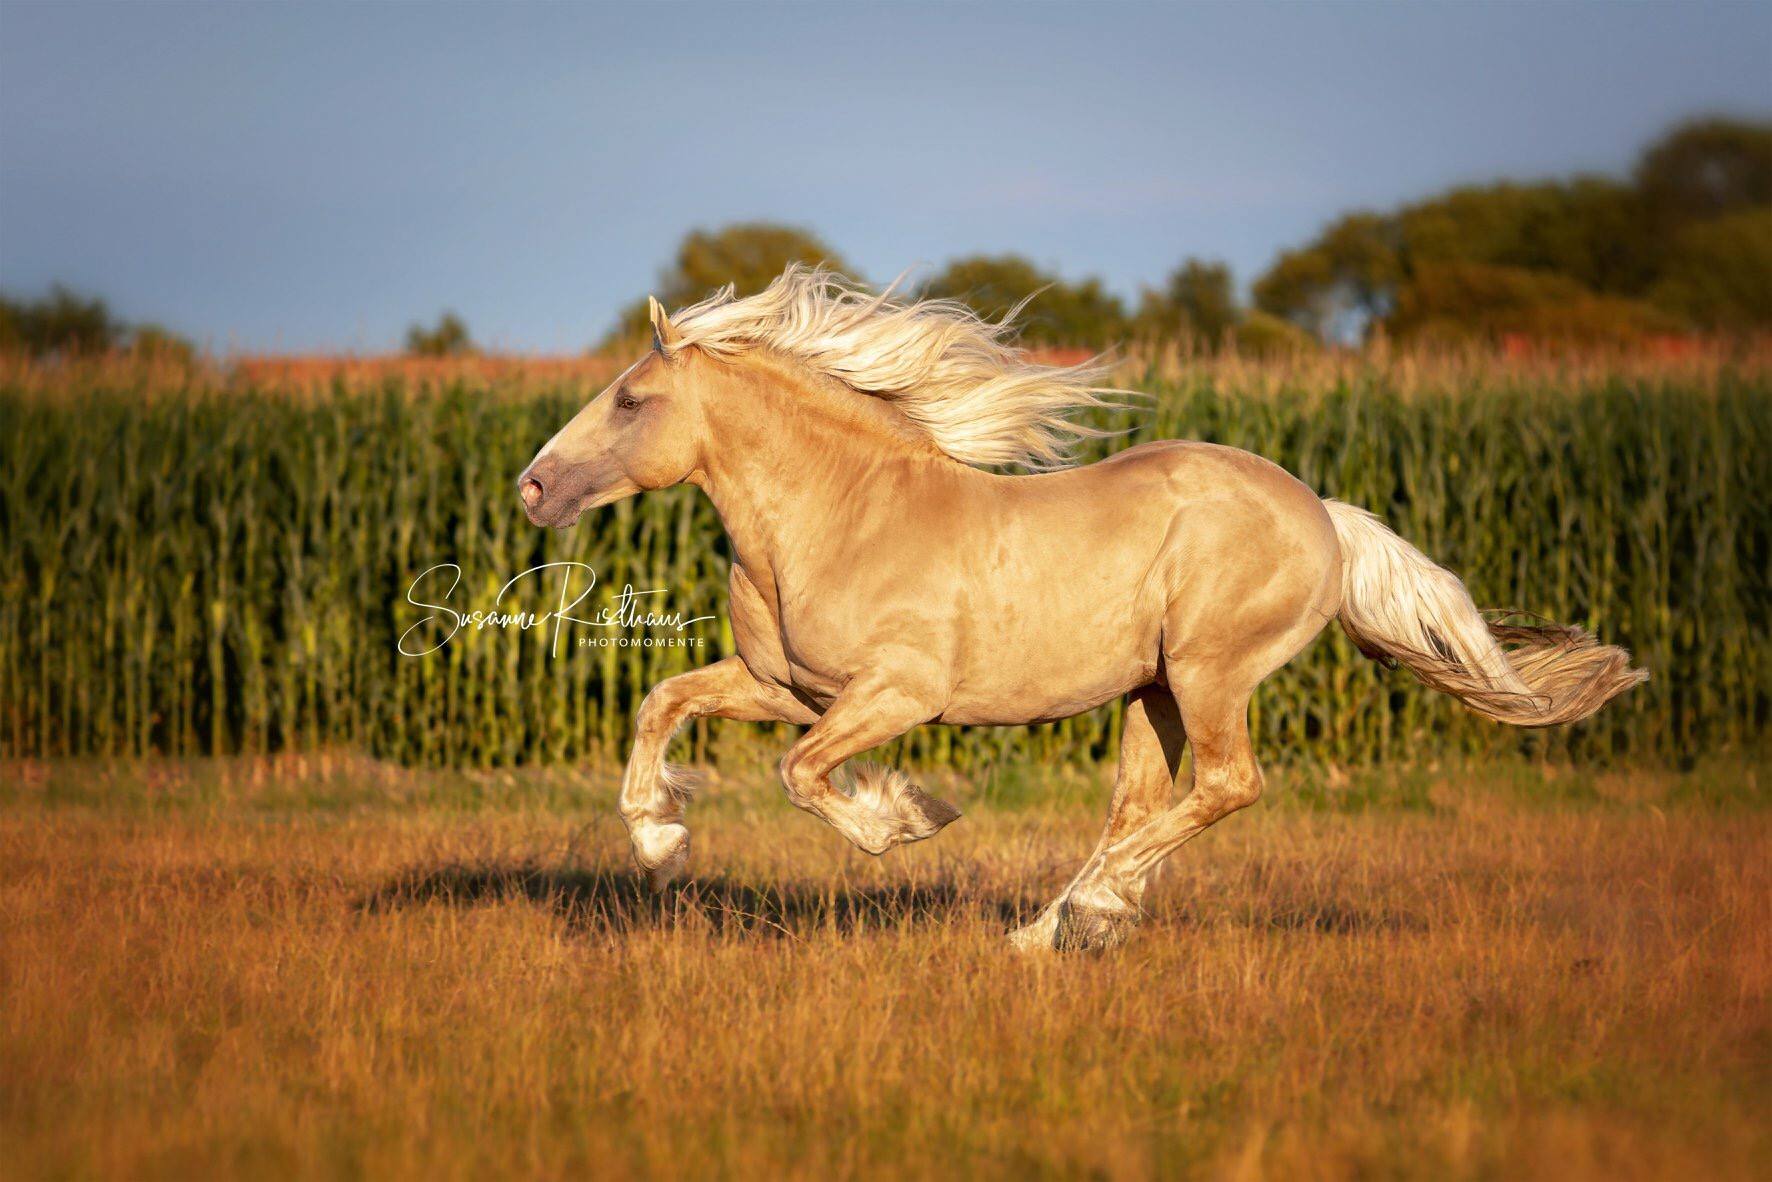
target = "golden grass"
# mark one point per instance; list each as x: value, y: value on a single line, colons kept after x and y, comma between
x: 298, y: 969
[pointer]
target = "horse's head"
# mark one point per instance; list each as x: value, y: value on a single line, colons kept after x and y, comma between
x: 643, y: 432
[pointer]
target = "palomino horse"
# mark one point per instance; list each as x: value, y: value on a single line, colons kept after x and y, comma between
x: 884, y: 577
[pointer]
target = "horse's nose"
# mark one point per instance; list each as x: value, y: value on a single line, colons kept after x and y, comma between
x: 529, y: 488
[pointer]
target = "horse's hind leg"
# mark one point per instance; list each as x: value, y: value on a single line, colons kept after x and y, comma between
x: 653, y: 794
x: 1102, y: 905
x: 1151, y: 743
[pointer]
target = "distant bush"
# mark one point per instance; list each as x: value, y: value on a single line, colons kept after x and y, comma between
x: 449, y: 338
x: 59, y: 323
x: 1344, y: 280
x: 154, y: 343
x: 1260, y: 335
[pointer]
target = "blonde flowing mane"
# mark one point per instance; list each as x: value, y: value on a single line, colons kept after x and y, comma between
x: 958, y: 377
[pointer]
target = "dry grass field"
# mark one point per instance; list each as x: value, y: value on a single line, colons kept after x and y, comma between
x: 301, y: 968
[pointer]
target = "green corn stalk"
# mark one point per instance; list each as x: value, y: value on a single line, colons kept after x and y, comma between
x: 207, y: 570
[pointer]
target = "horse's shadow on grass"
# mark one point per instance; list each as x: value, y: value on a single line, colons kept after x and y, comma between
x: 617, y: 903
x: 602, y: 901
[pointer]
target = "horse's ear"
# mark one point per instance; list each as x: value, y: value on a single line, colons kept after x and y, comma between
x: 664, y: 334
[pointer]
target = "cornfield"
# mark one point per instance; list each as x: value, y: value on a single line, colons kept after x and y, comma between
x: 210, y: 565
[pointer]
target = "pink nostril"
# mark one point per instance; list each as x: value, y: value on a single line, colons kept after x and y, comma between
x: 531, y: 492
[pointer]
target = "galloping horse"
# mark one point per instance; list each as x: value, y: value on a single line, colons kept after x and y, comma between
x: 884, y: 576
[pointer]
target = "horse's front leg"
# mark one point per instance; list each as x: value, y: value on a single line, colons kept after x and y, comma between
x: 879, y: 808
x: 654, y: 793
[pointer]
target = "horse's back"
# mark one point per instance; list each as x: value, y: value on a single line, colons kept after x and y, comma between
x: 1192, y: 469
x: 1164, y: 551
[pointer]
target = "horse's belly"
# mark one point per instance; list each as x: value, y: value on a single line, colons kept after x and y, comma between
x: 1020, y: 679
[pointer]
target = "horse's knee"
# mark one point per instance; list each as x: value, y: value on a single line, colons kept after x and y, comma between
x: 658, y: 710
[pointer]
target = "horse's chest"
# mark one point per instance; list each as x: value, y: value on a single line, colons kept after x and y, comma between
x: 755, y: 630
x: 785, y: 642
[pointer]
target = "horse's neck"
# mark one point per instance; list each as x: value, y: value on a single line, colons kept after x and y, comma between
x: 781, y: 454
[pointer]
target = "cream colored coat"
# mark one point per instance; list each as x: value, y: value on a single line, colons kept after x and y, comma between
x: 879, y: 584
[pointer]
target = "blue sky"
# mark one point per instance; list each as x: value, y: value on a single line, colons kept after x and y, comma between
x: 300, y: 176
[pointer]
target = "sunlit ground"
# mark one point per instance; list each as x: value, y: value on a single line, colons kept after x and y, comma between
x: 307, y: 967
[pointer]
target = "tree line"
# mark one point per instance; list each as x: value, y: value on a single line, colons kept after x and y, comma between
x: 1198, y: 301
x: 1682, y: 245
x: 64, y: 322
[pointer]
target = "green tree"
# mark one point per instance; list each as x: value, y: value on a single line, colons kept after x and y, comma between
x: 1342, y: 281
x: 1575, y: 258
x: 1719, y: 273
x: 1706, y: 169
x: 1452, y: 301
x: 1591, y: 229
x: 1297, y: 288
x: 1198, y: 300
x: 449, y: 338
x: 60, y: 323
x: 12, y: 326
x: 748, y: 256
x: 1055, y: 312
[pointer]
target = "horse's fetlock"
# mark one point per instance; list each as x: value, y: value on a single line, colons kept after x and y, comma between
x: 1222, y: 797
x: 1242, y: 794
x: 1093, y: 918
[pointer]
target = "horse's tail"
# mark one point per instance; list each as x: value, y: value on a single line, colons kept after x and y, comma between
x: 1398, y: 606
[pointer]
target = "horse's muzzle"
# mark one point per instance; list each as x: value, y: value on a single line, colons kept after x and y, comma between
x: 539, y: 480
x: 555, y: 491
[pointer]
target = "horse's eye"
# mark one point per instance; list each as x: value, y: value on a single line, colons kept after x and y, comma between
x: 627, y: 402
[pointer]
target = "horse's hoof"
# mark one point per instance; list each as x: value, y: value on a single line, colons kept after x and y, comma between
x: 1092, y: 926
x: 662, y: 850
x: 1036, y: 935
x: 924, y: 815
x: 664, y: 876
